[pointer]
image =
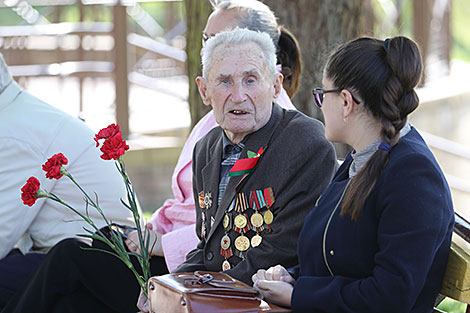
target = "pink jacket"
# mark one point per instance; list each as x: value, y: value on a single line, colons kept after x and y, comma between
x: 177, y: 217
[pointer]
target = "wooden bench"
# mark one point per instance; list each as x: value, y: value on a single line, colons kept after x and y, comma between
x: 456, y: 283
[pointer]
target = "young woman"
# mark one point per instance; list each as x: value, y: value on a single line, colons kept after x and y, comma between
x: 379, y: 236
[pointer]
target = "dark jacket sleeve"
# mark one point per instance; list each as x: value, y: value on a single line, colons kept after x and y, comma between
x: 415, y: 222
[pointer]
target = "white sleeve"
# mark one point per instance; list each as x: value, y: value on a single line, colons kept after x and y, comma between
x: 18, y: 161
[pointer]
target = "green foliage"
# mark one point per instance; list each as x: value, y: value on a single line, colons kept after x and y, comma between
x: 460, y: 24
x: 451, y: 306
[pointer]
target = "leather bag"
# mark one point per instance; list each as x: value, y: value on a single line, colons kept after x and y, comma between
x: 202, y: 292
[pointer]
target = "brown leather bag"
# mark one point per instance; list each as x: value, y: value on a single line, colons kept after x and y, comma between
x: 202, y: 292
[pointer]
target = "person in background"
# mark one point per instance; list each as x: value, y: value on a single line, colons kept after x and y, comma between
x: 379, y: 237
x: 32, y: 131
x: 176, y: 218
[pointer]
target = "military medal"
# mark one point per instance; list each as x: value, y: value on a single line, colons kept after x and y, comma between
x: 240, y: 221
x: 201, y: 200
x: 207, y: 200
x: 268, y: 217
x: 256, y: 220
x: 225, y: 265
x: 242, y: 243
x: 203, y: 225
x: 225, y: 242
x: 226, y: 222
x: 256, y: 240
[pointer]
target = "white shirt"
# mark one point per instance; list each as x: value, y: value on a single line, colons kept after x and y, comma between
x: 31, y: 131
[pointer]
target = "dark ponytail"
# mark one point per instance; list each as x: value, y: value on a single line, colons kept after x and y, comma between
x: 384, y: 75
x: 289, y: 57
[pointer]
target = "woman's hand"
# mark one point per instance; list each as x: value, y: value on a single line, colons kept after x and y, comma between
x: 155, y: 243
x: 275, y: 285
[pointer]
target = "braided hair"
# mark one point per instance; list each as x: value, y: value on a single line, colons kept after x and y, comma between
x: 384, y: 75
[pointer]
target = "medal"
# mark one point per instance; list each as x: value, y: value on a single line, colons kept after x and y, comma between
x: 208, y: 200
x: 242, y: 243
x: 256, y: 220
x: 226, y: 221
x: 225, y: 265
x: 225, y: 242
x: 256, y: 240
x: 201, y: 199
x: 240, y: 221
x: 203, y: 225
x: 268, y: 217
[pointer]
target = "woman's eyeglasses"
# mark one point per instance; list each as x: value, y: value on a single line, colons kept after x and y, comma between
x: 318, y: 94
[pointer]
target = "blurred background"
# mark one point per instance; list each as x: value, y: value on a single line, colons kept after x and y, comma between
x: 134, y: 62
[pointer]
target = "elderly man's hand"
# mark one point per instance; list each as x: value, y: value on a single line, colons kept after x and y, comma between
x: 274, y: 273
x: 143, y: 303
x: 155, y: 243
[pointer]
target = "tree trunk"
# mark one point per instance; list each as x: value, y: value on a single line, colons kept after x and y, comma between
x: 197, y: 12
x: 319, y: 26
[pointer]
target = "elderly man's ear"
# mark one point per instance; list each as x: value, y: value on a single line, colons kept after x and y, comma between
x: 277, y: 86
x: 202, y: 87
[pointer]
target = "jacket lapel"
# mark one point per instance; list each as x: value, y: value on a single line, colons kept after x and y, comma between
x: 210, y: 173
x: 254, y: 141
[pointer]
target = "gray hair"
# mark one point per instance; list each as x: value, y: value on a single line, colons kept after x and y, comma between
x: 5, y: 76
x: 254, y: 15
x: 236, y: 37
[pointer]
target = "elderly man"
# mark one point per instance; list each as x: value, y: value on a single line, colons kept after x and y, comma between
x: 247, y: 222
x: 31, y: 131
x: 243, y: 222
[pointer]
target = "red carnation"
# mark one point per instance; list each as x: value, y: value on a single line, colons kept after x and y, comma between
x: 108, y: 132
x: 30, y: 191
x: 53, y: 166
x: 113, y: 148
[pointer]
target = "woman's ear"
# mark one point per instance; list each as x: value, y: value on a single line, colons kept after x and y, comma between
x: 202, y: 87
x: 348, y: 103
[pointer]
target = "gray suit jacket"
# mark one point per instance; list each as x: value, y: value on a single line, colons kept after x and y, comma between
x: 298, y: 163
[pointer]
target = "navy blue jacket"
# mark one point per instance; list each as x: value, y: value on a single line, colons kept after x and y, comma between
x: 394, y: 258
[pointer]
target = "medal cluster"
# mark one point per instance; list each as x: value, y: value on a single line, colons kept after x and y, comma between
x: 249, y: 211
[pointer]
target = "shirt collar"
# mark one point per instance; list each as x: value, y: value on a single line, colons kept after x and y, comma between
x: 226, y: 143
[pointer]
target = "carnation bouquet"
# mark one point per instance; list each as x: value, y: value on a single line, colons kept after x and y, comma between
x: 113, y: 148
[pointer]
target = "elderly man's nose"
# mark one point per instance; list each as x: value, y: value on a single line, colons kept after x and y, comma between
x: 238, y: 93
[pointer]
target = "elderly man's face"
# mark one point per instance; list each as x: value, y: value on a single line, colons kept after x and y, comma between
x: 240, y: 89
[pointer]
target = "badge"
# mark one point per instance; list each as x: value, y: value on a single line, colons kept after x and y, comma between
x: 203, y: 225
x: 201, y: 199
x: 256, y: 240
x: 225, y: 242
x: 225, y: 265
x: 256, y: 220
x: 212, y: 220
x: 226, y: 221
x: 240, y: 221
x: 268, y: 217
x: 242, y: 243
x: 208, y: 200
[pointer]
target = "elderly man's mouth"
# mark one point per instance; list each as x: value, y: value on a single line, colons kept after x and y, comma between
x: 238, y: 112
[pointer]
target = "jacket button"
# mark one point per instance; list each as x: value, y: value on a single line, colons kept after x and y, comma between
x: 332, y: 252
x: 210, y: 255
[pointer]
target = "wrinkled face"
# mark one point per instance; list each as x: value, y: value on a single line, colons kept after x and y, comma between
x: 240, y: 89
x: 332, y: 112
